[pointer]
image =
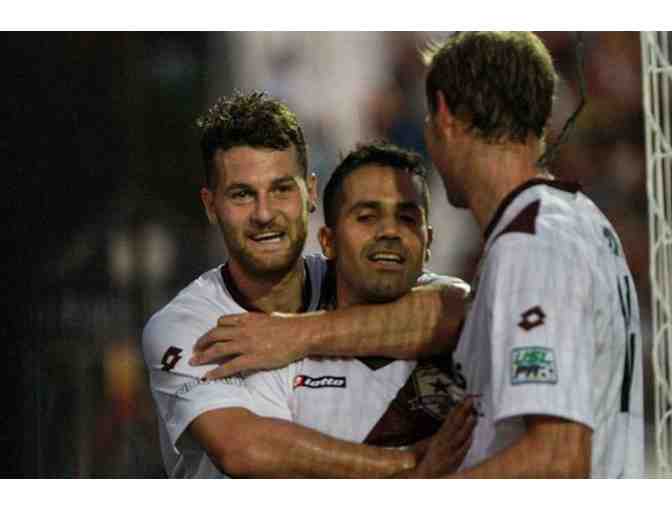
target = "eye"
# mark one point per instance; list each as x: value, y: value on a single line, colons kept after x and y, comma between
x: 409, y: 219
x: 284, y: 188
x: 366, y: 218
x: 240, y: 195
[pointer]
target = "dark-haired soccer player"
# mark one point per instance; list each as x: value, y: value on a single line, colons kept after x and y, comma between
x: 376, y: 238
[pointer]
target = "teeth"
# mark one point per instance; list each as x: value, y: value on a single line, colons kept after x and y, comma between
x: 387, y: 257
x: 271, y: 237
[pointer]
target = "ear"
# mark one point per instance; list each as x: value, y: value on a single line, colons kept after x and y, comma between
x: 327, y: 242
x: 312, y: 192
x: 208, y: 199
x: 442, y: 116
x: 430, y: 238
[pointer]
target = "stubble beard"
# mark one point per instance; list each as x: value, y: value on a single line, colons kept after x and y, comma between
x: 271, y: 266
x: 377, y: 287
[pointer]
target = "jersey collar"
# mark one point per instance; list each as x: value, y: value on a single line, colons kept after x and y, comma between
x: 243, y: 302
x: 570, y: 187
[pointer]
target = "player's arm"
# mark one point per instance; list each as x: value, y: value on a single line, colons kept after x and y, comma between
x: 421, y: 323
x: 243, y: 444
x: 541, y: 359
x: 550, y: 448
x: 244, y: 434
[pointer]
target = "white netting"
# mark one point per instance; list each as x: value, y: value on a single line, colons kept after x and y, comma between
x: 657, y: 89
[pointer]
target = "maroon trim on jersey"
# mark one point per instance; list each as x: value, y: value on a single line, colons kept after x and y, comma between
x: 525, y: 222
x: 570, y: 187
x: 243, y: 302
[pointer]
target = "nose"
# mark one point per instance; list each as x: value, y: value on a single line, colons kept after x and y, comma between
x: 388, y: 228
x: 263, y: 212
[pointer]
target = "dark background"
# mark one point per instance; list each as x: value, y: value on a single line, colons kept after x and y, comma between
x: 103, y: 225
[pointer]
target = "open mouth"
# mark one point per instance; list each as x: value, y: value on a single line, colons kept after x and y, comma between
x: 387, y: 258
x: 268, y: 237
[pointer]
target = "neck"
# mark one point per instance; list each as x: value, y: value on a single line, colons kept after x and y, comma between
x: 281, y: 293
x: 344, y: 297
x: 494, y: 170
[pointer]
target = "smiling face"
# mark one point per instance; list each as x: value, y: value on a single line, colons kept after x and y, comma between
x: 380, y: 237
x: 260, y: 203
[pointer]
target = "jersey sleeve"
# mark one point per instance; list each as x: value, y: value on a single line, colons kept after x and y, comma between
x: 429, y: 278
x: 541, y: 330
x: 177, y: 387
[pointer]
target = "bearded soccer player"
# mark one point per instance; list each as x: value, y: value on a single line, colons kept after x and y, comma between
x: 259, y: 194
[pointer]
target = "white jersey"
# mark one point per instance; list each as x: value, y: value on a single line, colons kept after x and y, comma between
x: 553, y: 328
x: 180, y: 395
x: 376, y: 401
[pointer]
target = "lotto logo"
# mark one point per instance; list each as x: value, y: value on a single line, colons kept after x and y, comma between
x: 170, y: 358
x: 326, y: 381
x: 532, y: 318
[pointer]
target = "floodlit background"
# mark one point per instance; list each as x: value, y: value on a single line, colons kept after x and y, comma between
x: 103, y: 220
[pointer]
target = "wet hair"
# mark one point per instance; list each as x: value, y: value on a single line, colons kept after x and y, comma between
x: 500, y: 84
x: 255, y: 120
x: 376, y: 153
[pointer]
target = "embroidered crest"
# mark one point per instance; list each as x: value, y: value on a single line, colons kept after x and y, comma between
x: 436, y: 393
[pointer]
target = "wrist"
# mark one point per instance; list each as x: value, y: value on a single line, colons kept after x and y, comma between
x: 312, y: 333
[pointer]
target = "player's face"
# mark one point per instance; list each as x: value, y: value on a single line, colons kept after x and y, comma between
x: 381, y: 235
x: 261, y: 206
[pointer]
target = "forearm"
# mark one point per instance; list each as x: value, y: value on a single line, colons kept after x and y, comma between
x: 273, y: 448
x: 423, y: 322
x: 560, y: 450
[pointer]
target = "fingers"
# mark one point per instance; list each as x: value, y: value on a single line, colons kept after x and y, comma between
x: 458, y: 427
x: 464, y: 433
x: 213, y: 337
x: 459, y: 455
x: 214, y: 349
x: 459, y: 413
x: 226, y: 321
x: 235, y: 366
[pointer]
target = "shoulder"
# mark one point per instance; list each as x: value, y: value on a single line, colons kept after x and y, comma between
x: 188, y: 315
x: 556, y: 220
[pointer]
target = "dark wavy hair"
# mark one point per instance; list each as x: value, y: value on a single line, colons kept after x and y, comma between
x: 256, y: 120
x: 375, y: 153
x: 501, y: 84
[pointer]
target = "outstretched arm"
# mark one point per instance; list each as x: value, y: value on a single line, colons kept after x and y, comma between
x: 243, y: 444
x: 423, y: 322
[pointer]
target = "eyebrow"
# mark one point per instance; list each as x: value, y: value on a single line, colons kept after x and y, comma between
x: 275, y: 182
x: 283, y: 180
x: 372, y: 204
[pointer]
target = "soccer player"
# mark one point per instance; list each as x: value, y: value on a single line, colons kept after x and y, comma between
x: 377, y: 237
x: 258, y: 192
x: 552, y: 339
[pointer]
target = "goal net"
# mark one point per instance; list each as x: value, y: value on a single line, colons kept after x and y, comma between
x: 657, y: 89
